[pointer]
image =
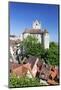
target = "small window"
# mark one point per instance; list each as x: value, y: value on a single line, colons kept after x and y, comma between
x: 36, y: 24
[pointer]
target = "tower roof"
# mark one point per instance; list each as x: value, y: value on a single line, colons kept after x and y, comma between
x: 45, y: 31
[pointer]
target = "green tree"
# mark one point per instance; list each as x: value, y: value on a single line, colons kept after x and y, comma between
x: 53, y: 54
x: 32, y: 46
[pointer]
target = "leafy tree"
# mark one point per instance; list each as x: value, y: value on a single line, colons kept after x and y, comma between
x: 50, y: 55
x: 33, y: 47
x: 53, y: 54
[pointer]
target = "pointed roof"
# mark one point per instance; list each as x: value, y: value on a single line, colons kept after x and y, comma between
x: 36, y: 24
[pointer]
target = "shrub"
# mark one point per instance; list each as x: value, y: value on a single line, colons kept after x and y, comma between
x: 34, y: 48
x: 23, y: 81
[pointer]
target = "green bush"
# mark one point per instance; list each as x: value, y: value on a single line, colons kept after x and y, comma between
x: 53, y: 54
x: 34, y: 48
x: 23, y: 81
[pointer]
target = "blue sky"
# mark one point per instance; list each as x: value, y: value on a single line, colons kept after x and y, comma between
x: 23, y: 14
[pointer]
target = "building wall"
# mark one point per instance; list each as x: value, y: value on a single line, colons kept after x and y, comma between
x: 38, y: 36
x: 21, y: 37
x: 25, y: 35
x: 46, y: 40
x: 14, y: 38
x: 36, y: 25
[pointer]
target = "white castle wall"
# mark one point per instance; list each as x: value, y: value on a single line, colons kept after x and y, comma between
x: 39, y: 38
x: 42, y: 38
x: 25, y: 35
x: 46, y: 40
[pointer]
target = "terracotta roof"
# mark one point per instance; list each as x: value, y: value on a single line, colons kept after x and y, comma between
x: 20, y: 69
x: 44, y: 72
x: 32, y: 61
x: 13, y: 65
x: 47, y: 73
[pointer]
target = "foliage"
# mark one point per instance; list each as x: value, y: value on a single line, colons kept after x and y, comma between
x: 53, y: 54
x: 33, y: 47
x: 23, y: 81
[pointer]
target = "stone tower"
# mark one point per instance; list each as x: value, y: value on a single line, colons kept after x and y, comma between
x: 46, y: 39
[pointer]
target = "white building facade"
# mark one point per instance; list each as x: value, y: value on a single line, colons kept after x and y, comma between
x: 36, y: 30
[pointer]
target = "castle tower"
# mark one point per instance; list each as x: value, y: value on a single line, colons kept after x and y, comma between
x: 36, y: 25
x: 46, y: 39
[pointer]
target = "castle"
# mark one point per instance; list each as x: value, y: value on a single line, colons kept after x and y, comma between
x: 41, y: 35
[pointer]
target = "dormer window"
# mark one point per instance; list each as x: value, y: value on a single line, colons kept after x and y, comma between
x: 36, y: 23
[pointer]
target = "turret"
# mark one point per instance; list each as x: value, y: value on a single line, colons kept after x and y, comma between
x: 46, y: 39
x: 36, y: 25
